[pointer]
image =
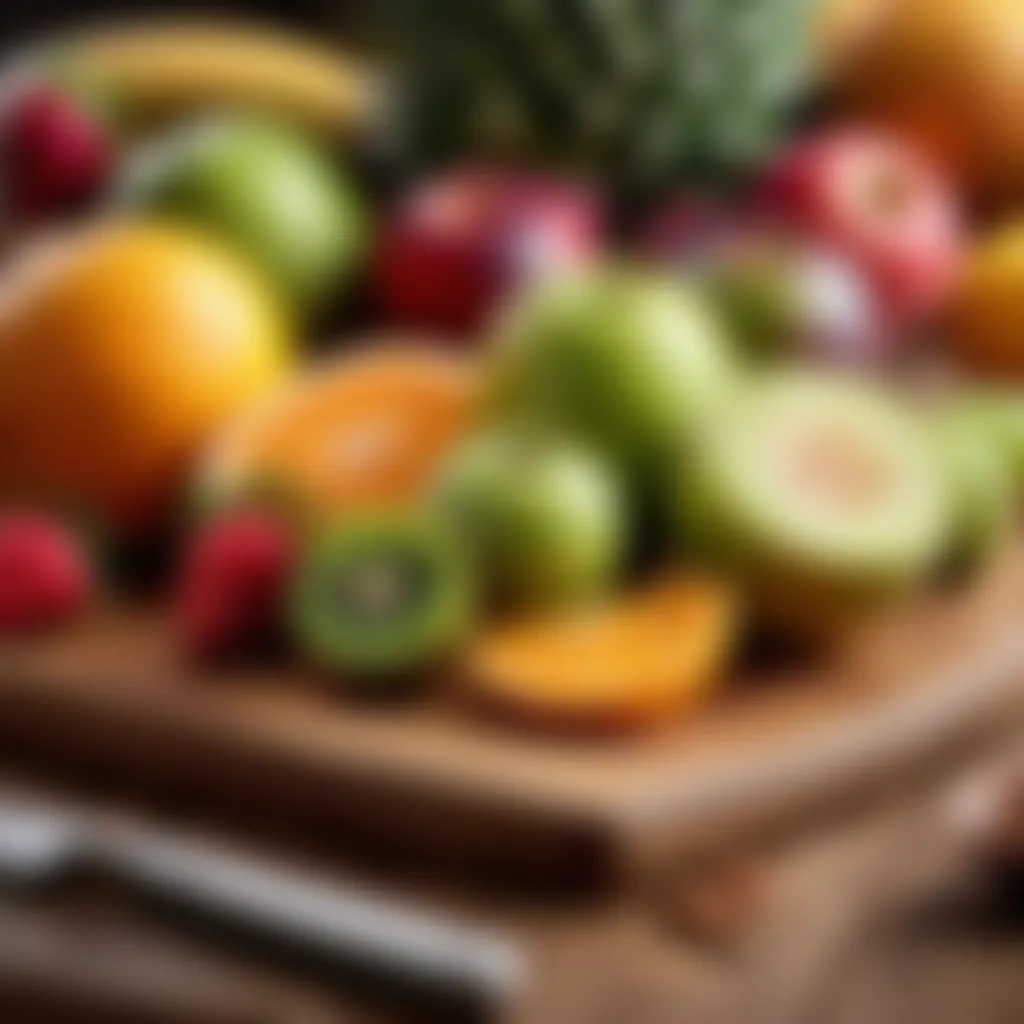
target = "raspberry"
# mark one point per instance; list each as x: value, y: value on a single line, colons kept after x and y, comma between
x: 45, y: 576
x: 231, y: 585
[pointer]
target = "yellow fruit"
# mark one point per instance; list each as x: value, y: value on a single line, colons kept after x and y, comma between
x: 165, y: 67
x: 368, y: 429
x: 987, y: 319
x: 634, y: 663
x: 123, y: 348
x: 946, y: 74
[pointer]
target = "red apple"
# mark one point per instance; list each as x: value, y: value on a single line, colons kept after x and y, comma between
x: 874, y: 200
x: 56, y: 152
x: 458, y: 246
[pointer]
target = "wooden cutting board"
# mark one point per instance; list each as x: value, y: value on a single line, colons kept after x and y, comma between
x: 434, y: 777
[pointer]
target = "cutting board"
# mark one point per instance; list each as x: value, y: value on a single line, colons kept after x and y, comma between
x: 433, y: 777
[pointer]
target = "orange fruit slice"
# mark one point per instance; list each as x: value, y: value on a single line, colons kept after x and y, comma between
x: 368, y: 429
x: 624, y: 665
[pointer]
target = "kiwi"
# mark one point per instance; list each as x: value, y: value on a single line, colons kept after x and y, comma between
x: 381, y: 594
x: 824, y: 492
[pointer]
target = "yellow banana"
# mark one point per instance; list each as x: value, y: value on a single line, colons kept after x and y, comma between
x: 165, y: 67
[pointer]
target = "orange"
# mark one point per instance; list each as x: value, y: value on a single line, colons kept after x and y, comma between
x: 989, y: 308
x: 368, y: 428
x: 629, y: 664
x: 945, y: 74
x: 123, y: 348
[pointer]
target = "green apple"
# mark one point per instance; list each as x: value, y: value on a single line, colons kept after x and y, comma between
x: 625, y: 358
x: 264, y: 187
x: 543, y: 514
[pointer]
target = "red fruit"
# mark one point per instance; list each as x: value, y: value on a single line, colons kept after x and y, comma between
x: 875, y: 201
x: 56, y: 154
x: 457, y: 247
x: 232, y: 582
x: 45, y: 576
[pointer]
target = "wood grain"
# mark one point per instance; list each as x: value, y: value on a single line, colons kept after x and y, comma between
x: 432, y: 775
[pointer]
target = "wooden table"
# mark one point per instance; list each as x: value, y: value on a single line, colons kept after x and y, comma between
x: 865, y: 923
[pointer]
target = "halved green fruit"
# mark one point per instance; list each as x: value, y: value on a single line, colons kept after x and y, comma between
x: 380, y: 594
x: 824, y: 492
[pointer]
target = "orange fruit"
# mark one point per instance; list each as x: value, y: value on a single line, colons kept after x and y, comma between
x: 944, y: 74
x: 363, y: 429
x: 123, y: 348
x: 988, y: 310
x: 619, y: 666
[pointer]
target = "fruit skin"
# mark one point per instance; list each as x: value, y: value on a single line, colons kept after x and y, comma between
x: 625, y: 358
x: 57, y: 154
x: 377, y: 543
x: 946, y: 76
x: 459, y: 245
x: 778, y: 495
x: 543, y: 515
x: 265, y: 188
x: 123, y: 349
x: 396, y: 408
x: 988, y: 307
x: 871, y: 198
x: 640, y: 95
x: 45, y: 575
x: 982, y: 485
x: 173, y: 67
x: 231, y: 586
x: 634, y: 663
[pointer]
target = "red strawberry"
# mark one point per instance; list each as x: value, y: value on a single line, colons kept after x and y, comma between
x: 56, y: 153
x: 45, y: 575
x: 232, y: 581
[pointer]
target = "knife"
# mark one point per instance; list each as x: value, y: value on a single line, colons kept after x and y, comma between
x: 342, y: 926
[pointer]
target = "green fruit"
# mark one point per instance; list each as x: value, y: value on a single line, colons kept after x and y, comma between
x: 267, y: 189
x: 1001, y: 415
x: 544, y: 516
x: 381, y: 594
x: 824, y: 492
x: 982, y: 489
x: 629, y: 361
x: 643, y: 93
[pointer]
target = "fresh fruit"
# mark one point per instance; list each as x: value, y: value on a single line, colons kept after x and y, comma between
x: 782, y: 297
x: 45, y: 574
x: 266, y: 189
x: 639, y: 93
x: 1000, y: 414
x: 123, y: 349
x: 166, y: 68
x: 380, y: 594
x: 823, y: 492
x: 947, y: 76
x: 625, y: 358
x: 632, y: 663
x: 870, y: 198
x: 368, y: 429
x: 459, y: 245
x: 989, y: 306
x: 544, y: 516
x: 57, y: 154
x: 983, y: 488
x: 232, y: 584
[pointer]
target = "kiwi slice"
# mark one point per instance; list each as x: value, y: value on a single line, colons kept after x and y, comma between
x: 381, y: 594
x: 824, y: 491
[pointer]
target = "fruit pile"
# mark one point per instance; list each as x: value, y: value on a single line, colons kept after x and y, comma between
x: 596, y: 423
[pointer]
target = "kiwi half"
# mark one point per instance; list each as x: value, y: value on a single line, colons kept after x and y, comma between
x: 824, y: 491
x: 382, y: 594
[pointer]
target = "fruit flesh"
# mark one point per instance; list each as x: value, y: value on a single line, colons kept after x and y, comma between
x: 635, y: 662
x: 364, y: 430
x: 381, y: 594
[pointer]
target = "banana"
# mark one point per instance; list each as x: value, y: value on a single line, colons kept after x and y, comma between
x: 164, y: 68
